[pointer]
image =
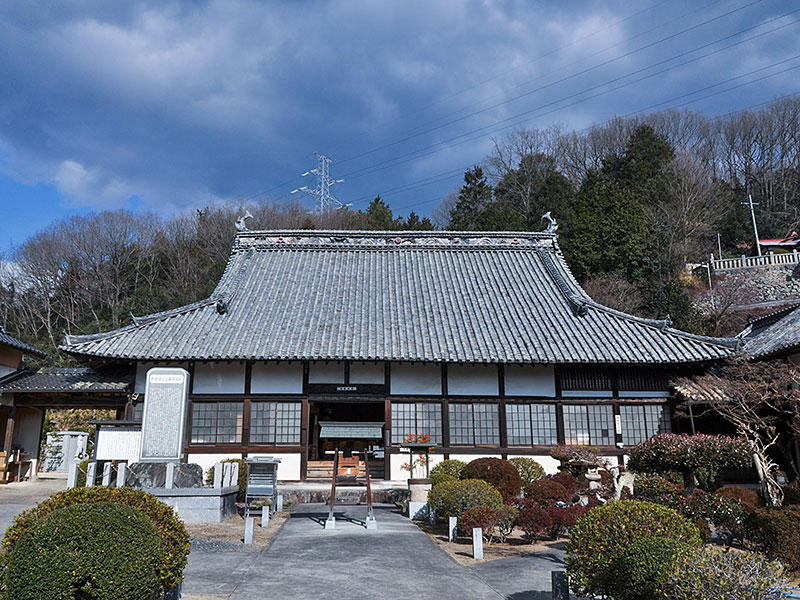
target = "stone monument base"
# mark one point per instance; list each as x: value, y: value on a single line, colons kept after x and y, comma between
x: 154, y: 475
x: 199, y: 505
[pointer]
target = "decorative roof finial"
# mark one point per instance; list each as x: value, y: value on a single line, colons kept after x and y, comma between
x: 240, y: 222
x: 552, y: 226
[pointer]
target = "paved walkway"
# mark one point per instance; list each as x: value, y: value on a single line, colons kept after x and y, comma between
x: 16, y: 497
x: 396, y: 561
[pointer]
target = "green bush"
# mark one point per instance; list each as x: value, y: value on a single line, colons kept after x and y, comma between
x: 776, y: 531
x: 648, y: 486
x: 100, y: 551
x: 601, y: 536
x: 451, y: 467
x: 529, y: 469
x: 240, y: 495
x: 710, y: 574
x: 454, y: 498
x: 646, y: 565
x: 437, y: 478
x: 174, y: 538
x: 500, y: 473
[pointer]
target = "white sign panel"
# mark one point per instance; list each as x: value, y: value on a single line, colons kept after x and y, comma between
x: 166, y: 400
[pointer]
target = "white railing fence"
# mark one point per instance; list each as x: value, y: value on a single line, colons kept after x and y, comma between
x: 765, y: 260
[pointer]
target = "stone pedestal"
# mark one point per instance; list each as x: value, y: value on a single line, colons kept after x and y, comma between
x: 154, y: 475
x: 199, y: 505
x: 418, y: 507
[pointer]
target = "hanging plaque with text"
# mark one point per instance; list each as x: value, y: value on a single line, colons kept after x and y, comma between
x: 166, y: 400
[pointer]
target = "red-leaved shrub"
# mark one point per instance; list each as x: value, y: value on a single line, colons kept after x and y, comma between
x: 547, y: 492
x: 496, y: 471
x: 570, y: 482
x: 741, y: 495
x: 479, y: 516
x: 564, y: 519
x: 534, y: 521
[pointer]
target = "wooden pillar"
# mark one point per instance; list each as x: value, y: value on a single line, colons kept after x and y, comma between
x: 9, y: 433
x: 305, y: 416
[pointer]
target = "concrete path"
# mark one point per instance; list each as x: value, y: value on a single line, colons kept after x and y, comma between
x: 396, y: 561
x: 16, y: 497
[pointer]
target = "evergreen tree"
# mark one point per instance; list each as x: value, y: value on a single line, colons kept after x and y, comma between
x: 475, y: 195
x: 379, y: 215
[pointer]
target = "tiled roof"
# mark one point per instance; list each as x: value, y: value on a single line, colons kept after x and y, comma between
x: 503, y: 297
x: 774, y: 334
x: 8, y: 340
x: 53, y: 379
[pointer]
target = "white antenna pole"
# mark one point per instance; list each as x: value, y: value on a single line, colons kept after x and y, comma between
x: 719, y: 245
x: 753, y: 215
x: 325, y: 200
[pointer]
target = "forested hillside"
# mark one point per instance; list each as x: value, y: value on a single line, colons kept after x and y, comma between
x: 635, y: 200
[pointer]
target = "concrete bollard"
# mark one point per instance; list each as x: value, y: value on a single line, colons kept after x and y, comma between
x: 72, y: 474
x: 560, y: 585
x: 235, y: 473
x: 249, y: 530
x: 169, y: 479
x: 265, y: 515
x: 218, y: 475
x: 477, y: 543
x: 91, y: 473
x: 122, y: 472
x: 452, y: 525
x: 279, y: 503
x: 107, y: 474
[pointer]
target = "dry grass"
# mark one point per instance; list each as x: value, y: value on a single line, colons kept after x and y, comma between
x: 461, y: 548
x: 231, y: 530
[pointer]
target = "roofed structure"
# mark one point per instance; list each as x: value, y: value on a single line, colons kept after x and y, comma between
x: 6, y: 339
x: 776, y: 334
x: 65, y: 380
x: 500, y: 297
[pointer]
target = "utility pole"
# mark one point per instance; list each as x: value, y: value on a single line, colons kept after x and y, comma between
x: 325, y: 200
x: 719, y: 246
x: 753, y: 215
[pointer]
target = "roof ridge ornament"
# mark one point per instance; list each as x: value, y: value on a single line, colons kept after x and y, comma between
x: 240, y: 222
x: 552, y: 226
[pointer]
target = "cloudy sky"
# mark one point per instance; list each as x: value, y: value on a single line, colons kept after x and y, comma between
x: 169, y: 105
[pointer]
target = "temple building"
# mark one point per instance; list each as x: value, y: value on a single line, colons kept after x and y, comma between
x: 484, y: 341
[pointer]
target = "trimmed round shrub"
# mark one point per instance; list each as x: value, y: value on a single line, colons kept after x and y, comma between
x: 454, y: 498
x: 242, y: 480
x: 547, y: 492
x: 777, y: 532
x: 648, y: 486
x: 437, y: 478
x: 529, y: 469
x: 646, y: 565
x: 569, y: 481
x: 451, y: 467
x: 500, y: 473
x: 535, y: 522
x: 601, y: 536
x: 174, y: 537
x: 102, y: 550
x: 741, y: 495
x: 718, y: 575
x: 479, y: 516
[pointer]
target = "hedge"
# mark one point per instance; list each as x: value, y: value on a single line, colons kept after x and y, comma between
x: 103, y: 551
x: 174, y: 538
x: 600, y: 537
x: 496, y: 471
x: 454, y: 498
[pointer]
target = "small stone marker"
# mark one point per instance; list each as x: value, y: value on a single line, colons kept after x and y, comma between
x: 169, y: 479
x: 235, y: 473
x: 91, y: 473
x: 107, y: 474
x: 249, y: 530
x: 560, y: 585
x: 477, y: 543
x: 452, y: 524
x: 330, y: 523
x: 218, y: 475
x: 371, y: 522
x: 279, y: 503
x: 122, y: 471
x: 265, y: 515
x: 72, y: 474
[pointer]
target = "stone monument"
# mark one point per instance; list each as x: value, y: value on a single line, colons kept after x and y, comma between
x: 164, y: 418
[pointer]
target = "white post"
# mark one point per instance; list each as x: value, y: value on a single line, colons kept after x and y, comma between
x: 72, y: 474
x: 107, y: 474
x: 279, y: 503
x: 451, y: 528
x: 477, y: 543
x: 249, y: 530
x: 235, y: 474
x: 265, y: 515
x: 122, y: 469
x: 218, y: 475
x: 91, y: 473
x: 169, y: 479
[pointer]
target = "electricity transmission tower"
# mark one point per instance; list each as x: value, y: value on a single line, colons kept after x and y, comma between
x: 325, y: 200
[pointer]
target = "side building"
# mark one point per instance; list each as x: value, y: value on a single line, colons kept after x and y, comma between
x: 484, y: 341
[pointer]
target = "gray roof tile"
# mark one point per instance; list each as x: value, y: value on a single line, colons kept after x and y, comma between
x: 504, y: 297
x: 772, y: 335
x: 6, y: 339
x: 53, y: 379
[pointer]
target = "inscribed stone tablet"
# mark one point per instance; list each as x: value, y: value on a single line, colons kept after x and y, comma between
x: 164, y: 419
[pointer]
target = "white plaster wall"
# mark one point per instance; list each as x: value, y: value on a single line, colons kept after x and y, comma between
x: 549, y: 464
x: 367, y: 372
x: 394, y: 463
x: 209, y: 460
x: 119, y: 443
x: 289, y: 467
x: 219, y: 378
x: 468, y: 458
x: 277, y: 378
x: 416, y: 379
x: 141, y: 373
x: 326, y: 372
x: 472, y: 380
x: 530, y: 380
x: 27, y: 428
